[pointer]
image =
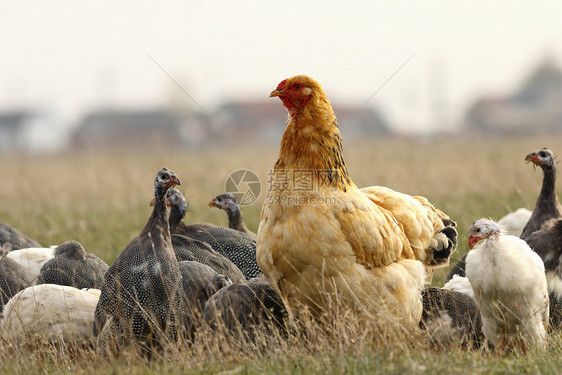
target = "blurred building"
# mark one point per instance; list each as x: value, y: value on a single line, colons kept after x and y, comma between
x: 264, y: 120
x: 30, y: 131
x: 535, y: 108
x: 136, y: 128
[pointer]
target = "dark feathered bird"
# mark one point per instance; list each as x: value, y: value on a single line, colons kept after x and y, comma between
x: 140, y: 296
x: 199, y: 283
x: 16, y: 239
x: 193, y: 250
x: 247, y: 307
x: 73, y: 266
x: 450, y: 316
x: 236, y: 246
x: 227, y: 203
x: 13, y: 277
x: 547, y: 206
x: 547, y: 243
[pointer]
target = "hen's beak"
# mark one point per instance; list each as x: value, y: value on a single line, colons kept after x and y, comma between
x: 276, y: 92
x: 213, y: 203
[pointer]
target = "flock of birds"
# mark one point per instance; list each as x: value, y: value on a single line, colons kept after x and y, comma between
x: 370, y: 250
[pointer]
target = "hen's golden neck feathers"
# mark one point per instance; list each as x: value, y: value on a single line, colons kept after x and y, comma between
x: 312, y: 139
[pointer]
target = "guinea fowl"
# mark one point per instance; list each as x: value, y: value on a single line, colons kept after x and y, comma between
x: 509, y: 285
x: 13, y: 277
x: 73, y: 266
x: 199, y: 283
x: 449, y: 316
x: 244, y: 308
x: 227, y: 203
x: 16, y: 239
x: 236, y: 246
x: 547, y: 243
x: 188, y: 249
x: 141, y: 294
x: 547, y: 206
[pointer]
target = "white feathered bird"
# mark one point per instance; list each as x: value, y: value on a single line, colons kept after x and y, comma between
x: 50, y: 311
x: 515, y: 221
x: 509, y: 286
x: 33, y: 258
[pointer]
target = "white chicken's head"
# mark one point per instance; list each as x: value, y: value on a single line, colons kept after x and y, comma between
x: 543, y: 158
x: 481, y: 229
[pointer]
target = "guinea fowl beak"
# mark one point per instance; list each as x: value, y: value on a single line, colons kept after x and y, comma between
x: 174, y: 180
x: 277, y: 92
x: 153, y: 201
x: 213, y: 203
x: 531, y: 157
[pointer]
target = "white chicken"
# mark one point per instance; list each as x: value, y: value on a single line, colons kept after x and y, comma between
x: 33, y: 258
x: 515, y: 221
x: 53, y: 312
x: 509, y: 286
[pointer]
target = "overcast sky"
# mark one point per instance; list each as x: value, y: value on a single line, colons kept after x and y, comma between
x: 75, y: 55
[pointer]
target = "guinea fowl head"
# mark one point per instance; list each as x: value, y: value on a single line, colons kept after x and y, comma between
x: 224, y: 201
x: 296, y: 92
x: 543, y: 157
x: 482, y: 229
x: 166, y: 179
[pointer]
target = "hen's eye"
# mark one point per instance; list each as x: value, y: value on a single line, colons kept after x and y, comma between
x: 297, y: 86
x: 542, y: 154
x: 477, y: 230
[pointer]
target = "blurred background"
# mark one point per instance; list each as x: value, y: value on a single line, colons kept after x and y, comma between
x: 95, y: 75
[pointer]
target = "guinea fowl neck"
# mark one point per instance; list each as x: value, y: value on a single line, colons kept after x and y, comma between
x: 312, y: 144
x: 159, y: 216
x: 177, y: 213
x: 234, y: 217
x: 548, y: 189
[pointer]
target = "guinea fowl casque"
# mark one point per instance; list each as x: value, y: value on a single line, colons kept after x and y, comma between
x: 322, y: 240
x: 140, y: 296
x: 510, y: 287
x: 73, y: 266
x: 547, y: 205
x: 237, y: 247
x: 227, y: 203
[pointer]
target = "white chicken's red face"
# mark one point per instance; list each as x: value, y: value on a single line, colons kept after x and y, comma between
x: 542, y: 157
x: 480, y: 230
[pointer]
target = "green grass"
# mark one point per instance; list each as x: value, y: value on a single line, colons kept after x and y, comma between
x: 102, y: 200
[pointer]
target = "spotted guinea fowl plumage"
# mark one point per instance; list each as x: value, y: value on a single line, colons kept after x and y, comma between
x: 244, y: 308
x: 140, y: 295
x: 236, y: 246
x: 15, y: 238
x: 73, y: 266
x: 451, y: 316
x: 189, y: 249
x: 13, y: 277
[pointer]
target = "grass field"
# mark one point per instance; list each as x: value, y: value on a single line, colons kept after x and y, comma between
x: 102, y: 200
